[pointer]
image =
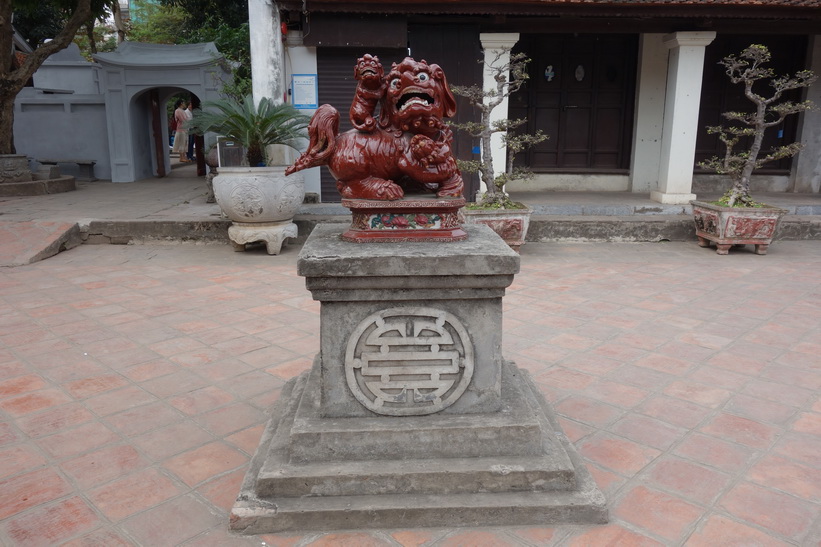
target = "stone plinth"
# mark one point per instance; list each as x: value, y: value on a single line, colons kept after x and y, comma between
x: 14, y: 168
x: 411, y: 285
x: 273, y: 234
x: 410, y: 416
x: 414, y: 218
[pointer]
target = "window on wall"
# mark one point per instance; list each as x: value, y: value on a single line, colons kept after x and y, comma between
x: 719, y: 94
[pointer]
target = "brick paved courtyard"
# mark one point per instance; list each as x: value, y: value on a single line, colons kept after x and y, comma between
x: 135, y: 380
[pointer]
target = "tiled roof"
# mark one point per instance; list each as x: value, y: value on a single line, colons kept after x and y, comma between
x: 767, y: 3
x: 477, y: 6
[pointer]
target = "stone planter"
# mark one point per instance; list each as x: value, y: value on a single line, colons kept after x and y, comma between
x: 261, y: 201
x: 510, y: 224
x: 728, y: 226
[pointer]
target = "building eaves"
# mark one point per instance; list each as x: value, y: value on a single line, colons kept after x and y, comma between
x: 779, y: 9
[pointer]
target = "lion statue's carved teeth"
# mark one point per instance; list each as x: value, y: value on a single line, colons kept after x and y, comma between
x: 415, y: 99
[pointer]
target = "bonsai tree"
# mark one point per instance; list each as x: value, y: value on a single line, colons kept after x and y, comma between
x: 254, y: 127
x: 748, y: 68
x: 509, y: 76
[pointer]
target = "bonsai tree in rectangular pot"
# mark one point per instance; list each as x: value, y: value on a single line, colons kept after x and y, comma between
x: 495, y: 208
x: 736, y: 219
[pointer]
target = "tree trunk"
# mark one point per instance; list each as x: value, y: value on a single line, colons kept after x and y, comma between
x: 92, y: 44
x: 741, y: 189
x: 7, y: 122
x: 119, y: 25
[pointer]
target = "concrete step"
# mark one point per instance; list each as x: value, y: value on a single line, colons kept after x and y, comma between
x: 30, y: 241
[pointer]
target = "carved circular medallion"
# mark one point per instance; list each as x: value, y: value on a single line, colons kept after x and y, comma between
x: 290, y: 197
x: 247, y: 200
x: 409, y: 361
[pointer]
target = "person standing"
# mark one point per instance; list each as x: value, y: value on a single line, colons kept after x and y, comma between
x: 181, y: 137
x: 189, y: 112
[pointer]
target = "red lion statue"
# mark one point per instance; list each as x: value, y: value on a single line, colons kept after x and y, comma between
x: 409, y: 147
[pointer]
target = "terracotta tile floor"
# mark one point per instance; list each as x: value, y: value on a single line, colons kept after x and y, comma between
x: 135, y: 382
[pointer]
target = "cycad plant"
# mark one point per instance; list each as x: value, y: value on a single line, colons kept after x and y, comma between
x: 748, y: 68
x: 252, y: 126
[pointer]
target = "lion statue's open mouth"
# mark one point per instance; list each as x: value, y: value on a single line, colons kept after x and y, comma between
x: 411, y: 97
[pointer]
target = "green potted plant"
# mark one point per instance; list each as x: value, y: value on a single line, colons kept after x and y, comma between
x: 258, y: 197
x: 737, y: 219
x: 495, y: 208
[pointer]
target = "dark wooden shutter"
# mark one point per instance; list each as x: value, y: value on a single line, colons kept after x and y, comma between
x: 337, y: 86
x: 457, y: 49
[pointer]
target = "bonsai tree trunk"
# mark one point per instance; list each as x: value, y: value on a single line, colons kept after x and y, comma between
x: 487, y: 158
x: 13, y: 78
x: 741, y: 186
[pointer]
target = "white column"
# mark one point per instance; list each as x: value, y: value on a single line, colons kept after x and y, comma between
x: 302, y: 60
x: 492, y: 44
x: 678, y: 145
x: 650, y: 88
x: 266, y: 50
x: 806, y: 170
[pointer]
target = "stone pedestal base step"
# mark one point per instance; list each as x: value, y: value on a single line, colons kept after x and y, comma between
x: 512, y: 487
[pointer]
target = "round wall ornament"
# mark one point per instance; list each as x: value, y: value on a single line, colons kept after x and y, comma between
x: 409, y: 361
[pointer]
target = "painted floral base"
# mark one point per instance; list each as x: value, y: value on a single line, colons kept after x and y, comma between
x: 510, y: 224
x: 730, y: 226
x: 408, y: 219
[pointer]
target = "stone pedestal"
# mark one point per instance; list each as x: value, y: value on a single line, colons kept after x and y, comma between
x: 273, y: 234
x: 14, y: 168
x: 410, y: 416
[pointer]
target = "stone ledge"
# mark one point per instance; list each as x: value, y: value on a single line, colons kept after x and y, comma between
x: 123, y: 232
x: 483, y: 251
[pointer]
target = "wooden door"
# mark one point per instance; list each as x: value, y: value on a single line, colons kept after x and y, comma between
x: 581, y: 93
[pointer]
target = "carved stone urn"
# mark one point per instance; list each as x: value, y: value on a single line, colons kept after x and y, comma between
x: 730, y: 226
x: 261, y: 202
x: 14, y: 168
x: 510, y: 224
